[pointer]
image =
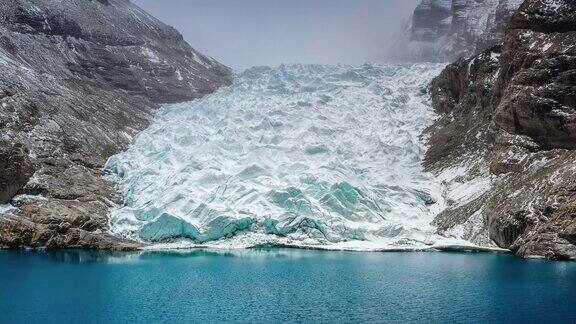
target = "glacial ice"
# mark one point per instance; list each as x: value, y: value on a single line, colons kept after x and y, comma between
x: 168, y: 227
x: 307, y: 155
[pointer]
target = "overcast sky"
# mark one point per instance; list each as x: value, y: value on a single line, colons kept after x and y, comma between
x: 245, y: 33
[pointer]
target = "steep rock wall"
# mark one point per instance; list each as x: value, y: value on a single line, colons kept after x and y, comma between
x: 446, y: 30
x: 510, y: 119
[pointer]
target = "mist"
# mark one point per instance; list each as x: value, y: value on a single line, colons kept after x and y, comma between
x: 245, y: 33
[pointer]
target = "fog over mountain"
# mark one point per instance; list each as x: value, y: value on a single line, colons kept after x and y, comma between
x: 270, y: 32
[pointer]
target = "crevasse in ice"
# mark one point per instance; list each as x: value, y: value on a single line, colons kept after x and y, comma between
x: 299, y: 154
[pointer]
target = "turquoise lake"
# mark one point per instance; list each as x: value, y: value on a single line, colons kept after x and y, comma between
x: 282, y: 285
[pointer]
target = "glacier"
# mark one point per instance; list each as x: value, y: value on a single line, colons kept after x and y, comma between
x: 296, y: 155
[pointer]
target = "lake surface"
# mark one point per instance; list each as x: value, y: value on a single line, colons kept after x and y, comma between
x: 282, y: 285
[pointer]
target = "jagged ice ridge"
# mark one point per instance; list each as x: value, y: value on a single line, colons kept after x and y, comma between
x: 307, y: 155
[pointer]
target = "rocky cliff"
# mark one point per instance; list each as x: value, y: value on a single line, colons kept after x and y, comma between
x: 445, y: 30
x: 507, y: 136
x: 79, y: 79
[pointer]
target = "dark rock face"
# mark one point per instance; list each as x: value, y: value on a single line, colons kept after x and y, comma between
x: 537, y: 91
x: 431, y: 20
x: 79, y: 79
x: 446, y: 30
x: 15, y: 170
x: 461, y: 95
x: 510, y: 119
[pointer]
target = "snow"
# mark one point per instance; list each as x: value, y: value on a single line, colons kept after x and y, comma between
x: 469, y: 228
x: 553, y: 5
x: 299, y: 155
x: 568, y: 113
x: 463, y: 192
x: 29, y: 197
x: 196, y: 57
x: 512, y: 4
x: 179, y: 75
x: 150, y: 55
x: 460, y: 188
x: 495, y: 57
x: 6, y: 208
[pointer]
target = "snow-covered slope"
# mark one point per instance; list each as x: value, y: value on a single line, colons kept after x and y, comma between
x: 300, y: 154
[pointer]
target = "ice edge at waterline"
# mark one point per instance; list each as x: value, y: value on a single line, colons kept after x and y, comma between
x: 354, y: 181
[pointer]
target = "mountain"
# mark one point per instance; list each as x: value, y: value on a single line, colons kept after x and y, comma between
x: 445, y: 30
x: 79, y: 79
x: 507, y: 135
